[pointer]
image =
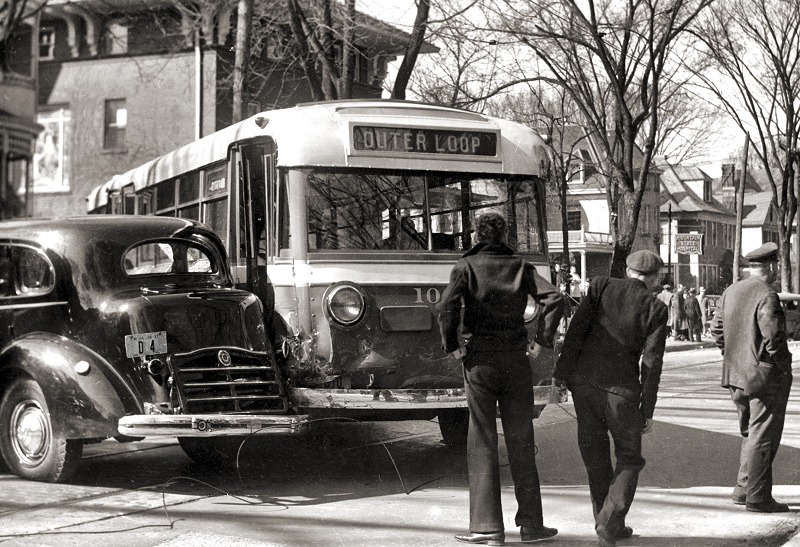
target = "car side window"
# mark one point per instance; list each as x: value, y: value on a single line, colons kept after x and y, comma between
x: 25, y: 271
x: 167, y: 257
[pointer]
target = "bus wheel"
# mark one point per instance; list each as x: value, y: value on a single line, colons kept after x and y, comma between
x: 29, y: 445
x: 212, y: 452
x: 454, y: 425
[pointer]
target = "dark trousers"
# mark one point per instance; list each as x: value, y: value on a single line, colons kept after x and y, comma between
x: 599, y: 411
x: 761, y: 425
x: 504, y: 379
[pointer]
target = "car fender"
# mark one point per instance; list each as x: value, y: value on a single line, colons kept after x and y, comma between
x: 81, y: 400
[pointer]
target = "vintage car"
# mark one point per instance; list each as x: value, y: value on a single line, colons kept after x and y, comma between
x: 791, y: 307
x: 108, y: 323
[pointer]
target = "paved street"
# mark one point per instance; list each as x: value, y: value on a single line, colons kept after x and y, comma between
x: 397, y: 484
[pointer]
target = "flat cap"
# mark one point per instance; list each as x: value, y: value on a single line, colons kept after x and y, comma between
x: 644, y: 262
x: 768, y: 252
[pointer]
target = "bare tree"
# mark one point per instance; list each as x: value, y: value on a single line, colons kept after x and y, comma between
x: 12, y: 13
x: 755, y: 47
x: 551, y: 112
x: 612, y: 59
x: 687, y: 126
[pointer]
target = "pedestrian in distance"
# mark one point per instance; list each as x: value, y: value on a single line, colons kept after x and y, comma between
x: 693, y: 315
x: 490, y: 285
x: 677, y: 314
x: 600, y: 364
x: 705, y: 309
x: 749, y: 326
x: 666, y: 297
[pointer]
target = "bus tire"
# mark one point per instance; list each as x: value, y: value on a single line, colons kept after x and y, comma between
x: 454, y: 425
x: 30, y: 446
x: 216, y: 453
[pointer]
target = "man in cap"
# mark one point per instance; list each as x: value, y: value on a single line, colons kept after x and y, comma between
x: 749, y: 327
x: 600, y: 364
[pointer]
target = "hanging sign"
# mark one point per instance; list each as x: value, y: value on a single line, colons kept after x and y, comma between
x: 689, y: 244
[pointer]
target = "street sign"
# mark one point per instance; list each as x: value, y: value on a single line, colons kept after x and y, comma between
x: 689, y: 244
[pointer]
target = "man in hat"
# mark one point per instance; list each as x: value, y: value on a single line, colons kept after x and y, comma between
x: 749, y: 327
x: 600, y: 364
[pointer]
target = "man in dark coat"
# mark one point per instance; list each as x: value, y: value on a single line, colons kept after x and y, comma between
x: 600, y: 364
x: 749, y: 326
x: 492, y: 285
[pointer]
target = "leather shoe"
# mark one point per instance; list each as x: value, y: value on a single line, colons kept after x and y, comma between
x: 769, y: 506
x: 604, y: 537
x: 528, y: 535
x: 622, y: 533
x: 496, y: 538
x: 739, y: 500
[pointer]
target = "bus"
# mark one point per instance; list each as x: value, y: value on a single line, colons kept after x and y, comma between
x: 345, y: 218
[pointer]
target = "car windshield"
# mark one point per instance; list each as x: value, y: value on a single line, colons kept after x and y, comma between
x: 173, y: 256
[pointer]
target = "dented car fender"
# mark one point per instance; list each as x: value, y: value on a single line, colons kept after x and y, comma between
x: 81, y: 398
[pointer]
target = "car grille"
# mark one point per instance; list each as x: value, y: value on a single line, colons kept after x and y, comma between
x: 228, y: 381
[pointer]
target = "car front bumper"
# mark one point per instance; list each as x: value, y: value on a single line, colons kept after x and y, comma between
x: 209, y: 425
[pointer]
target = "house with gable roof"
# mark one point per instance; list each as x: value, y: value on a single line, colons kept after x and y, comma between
x: 588, y: 219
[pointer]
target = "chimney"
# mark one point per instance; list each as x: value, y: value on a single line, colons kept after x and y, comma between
x: 728, y: 186
x: 728, y: 174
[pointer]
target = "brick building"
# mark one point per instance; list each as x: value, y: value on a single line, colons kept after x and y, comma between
x: 121, y: 82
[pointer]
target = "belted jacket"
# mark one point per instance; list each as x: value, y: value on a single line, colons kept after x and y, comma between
x: 492, y: 284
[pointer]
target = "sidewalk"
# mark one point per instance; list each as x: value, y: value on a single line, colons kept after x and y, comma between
x: 682, y: 345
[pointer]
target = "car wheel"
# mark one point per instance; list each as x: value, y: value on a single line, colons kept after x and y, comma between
x: 212, y: 452
x: 454, y: 425
x: 29, y: 445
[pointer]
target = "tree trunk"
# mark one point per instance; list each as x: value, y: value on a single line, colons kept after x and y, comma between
x: 625, y: 233
x: 242, y: 58
x: 412, y: 51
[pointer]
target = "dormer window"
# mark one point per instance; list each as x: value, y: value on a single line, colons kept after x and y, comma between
x: 47, y: 42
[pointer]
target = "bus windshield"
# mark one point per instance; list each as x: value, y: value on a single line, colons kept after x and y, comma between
x: 391, y: 211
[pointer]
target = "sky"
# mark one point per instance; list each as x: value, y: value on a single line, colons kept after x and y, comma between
x: 401, y: 13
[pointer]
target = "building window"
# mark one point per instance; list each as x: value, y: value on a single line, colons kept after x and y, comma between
x: 47, y: 42
x: 574, y: 220
x: 52, y: 152
x: 253, y: 108
x: 116, y: 121
x: 116, y: 39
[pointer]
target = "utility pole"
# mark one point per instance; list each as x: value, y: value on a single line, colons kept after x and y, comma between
x: 669, y: 245
x: 737, y: 246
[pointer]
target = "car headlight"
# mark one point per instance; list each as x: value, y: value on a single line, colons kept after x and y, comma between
x: 345, y: 304
x: 531, y: 310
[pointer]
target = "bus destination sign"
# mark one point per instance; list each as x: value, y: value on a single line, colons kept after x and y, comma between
x: 418, y: 140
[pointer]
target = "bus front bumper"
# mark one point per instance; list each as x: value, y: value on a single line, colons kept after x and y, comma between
x: 405, y: 399
x: 209, y: 425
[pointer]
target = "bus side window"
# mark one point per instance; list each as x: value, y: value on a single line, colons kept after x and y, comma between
x: 283, y: 233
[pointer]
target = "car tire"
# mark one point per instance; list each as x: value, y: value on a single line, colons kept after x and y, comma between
x: 454, y: 426
x: 212, y: 452
x: 30, y: 446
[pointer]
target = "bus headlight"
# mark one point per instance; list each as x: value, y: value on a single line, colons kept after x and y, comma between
x: 531, y: 310
x: 345, y: 304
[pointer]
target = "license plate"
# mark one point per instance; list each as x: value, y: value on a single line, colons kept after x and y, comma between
x: 148, y: 343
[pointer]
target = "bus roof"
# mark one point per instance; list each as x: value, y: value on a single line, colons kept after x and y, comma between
x: 319, y: 135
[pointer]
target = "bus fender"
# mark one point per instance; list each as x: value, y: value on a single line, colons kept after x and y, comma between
x: 81, y: 400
